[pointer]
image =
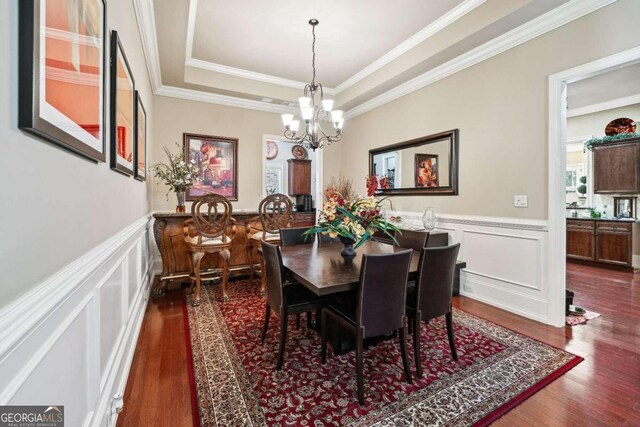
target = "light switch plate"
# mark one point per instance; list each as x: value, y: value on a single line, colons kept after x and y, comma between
x: 520, y: 201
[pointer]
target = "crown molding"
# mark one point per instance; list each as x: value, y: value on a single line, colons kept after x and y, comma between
x: 551, y: 20
x: 147, y: 28
x: 445, y: 20
x: 602, y: 106
x: 439, y: 24
x: 251, y: 75
x: 229, y: 101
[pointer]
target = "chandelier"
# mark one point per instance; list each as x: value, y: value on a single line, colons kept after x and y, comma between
x: 314, y: 113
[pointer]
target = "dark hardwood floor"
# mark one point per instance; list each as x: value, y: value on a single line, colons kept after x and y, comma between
x: 603, y: 390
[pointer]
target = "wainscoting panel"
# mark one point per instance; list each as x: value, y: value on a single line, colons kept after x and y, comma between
x: 71, y: 339
x: 505, y: 263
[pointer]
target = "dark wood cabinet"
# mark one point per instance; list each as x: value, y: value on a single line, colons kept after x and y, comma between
x: 616, y: 167
x: 581, y: 240
x: 613, y: 243
x: 303, y: 219
x: 608, y: 242
x: 299, y: 177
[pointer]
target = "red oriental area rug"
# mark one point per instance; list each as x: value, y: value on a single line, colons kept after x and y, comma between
x: 237, y: 384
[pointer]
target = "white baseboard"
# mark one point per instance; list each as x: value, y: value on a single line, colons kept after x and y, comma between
x: 70, y: 340
x: 635, y: 261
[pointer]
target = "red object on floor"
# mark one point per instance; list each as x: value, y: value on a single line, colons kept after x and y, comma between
x: 236, y: 379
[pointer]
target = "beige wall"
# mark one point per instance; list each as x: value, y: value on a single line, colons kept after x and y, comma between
x: 56, y: 206
x: 174, y: 116
x: 500, y: 107
x: 594, y: 124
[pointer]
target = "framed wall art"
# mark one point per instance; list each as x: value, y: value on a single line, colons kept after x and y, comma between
x: 426, y: 170
x: 217, y: 160
x: 62, y: 73
x: 122, y: 109
x: 141, y: 140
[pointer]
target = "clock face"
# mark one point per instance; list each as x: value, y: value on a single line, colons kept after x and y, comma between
x: 272, y: 150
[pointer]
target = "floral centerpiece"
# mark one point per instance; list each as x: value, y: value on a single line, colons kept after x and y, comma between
x: 352, y: 218
x: 178, y: 175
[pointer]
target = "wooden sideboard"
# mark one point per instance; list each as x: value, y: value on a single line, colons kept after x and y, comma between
x: 168, y: 232
x: 169, y: 236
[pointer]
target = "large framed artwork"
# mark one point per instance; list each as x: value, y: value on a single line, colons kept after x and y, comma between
x: 141, y: 140
x: 123, y: 108
x: 62, y: 73
x: 426, y: 170
x: 217, y: 160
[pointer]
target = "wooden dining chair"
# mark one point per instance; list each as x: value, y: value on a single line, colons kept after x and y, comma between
x: 275, y: 214
x: 283, y: 297
x: 431, y: 296
x: 410, y: 239
x: 379, y: 308
x: 206, y: 233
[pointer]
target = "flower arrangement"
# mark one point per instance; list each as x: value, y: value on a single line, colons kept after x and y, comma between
x: 350, y: 217
x: 373, y: 182
x: 178, y: 174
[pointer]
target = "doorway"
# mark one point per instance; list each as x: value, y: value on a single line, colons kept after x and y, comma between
x: 557, y: 143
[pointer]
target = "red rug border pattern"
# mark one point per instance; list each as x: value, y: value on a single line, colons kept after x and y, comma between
x: 488, y: 419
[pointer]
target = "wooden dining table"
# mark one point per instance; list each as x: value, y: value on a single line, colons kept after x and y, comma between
x: 321, y: 268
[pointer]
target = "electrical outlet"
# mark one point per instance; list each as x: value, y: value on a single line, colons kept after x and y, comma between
x: 520, y: 201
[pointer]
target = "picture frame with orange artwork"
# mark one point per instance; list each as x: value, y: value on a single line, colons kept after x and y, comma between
x: 426, y: 171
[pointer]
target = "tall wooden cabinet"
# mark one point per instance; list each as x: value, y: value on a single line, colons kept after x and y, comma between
x: 299, y: 177
x: 616, y: 167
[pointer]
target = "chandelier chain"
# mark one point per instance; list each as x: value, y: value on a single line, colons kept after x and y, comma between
x: 313, y: 59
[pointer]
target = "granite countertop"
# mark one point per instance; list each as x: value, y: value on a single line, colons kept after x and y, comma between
x: 629, y: 220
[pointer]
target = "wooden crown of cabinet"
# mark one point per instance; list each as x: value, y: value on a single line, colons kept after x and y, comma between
x: 299, y: 177
x: 616, y: 167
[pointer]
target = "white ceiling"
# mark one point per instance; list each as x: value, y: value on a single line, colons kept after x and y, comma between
x: 234, y: 51
x: 604, y: 88
x: 274, y: 37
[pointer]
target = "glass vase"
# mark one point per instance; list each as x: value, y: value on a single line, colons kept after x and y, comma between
x: 181, y: 195
x: 429, y: 219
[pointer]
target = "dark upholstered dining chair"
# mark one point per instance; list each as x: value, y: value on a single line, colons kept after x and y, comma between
x: 415, y: 240
x: 294, y: 236
x: 283, y: 297
x: 379, y: 308
x: 431, y: 297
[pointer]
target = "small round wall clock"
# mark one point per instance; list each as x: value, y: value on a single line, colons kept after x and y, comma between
x: 299, y: 152
x: 272, y: 150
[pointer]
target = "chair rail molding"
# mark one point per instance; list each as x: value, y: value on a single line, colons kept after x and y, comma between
x: 506, y: 265
x: 71, y: 339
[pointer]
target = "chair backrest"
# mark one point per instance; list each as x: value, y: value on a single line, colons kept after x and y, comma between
x: 211, y: 214
x: 382, y: 292
x: 275, y: 212
x: 415, y: 240
x: 274, y: 274
x: 434, y: 283
x: 294, y: 236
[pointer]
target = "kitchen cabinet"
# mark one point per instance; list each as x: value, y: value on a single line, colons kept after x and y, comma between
x: 299, y: 177
x: 581, y: 240
x: 600, y: 241
x: 616, y: 167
